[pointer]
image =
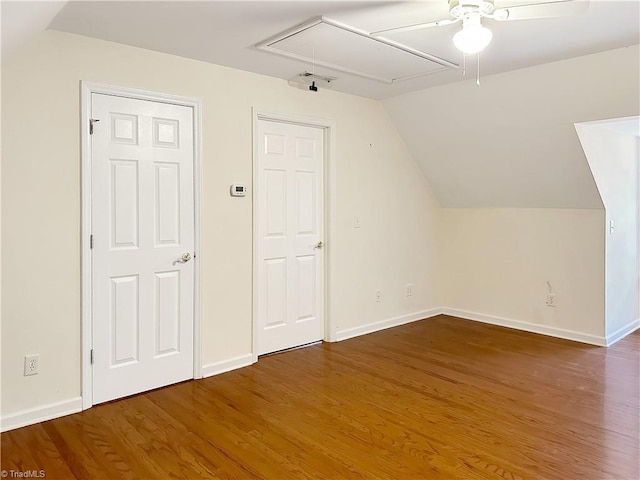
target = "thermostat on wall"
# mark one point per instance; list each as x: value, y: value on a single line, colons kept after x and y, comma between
x: 238, y: 190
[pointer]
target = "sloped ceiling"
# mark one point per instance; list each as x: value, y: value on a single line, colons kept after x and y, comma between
x: 511, y: 141
x: 226, y: 32
x: 21, y: 21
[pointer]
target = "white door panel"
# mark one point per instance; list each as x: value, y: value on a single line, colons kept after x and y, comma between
x: 142, y: 222
x: 290, y: 225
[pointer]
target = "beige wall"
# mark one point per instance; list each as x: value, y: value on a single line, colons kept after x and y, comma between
x: 376, y: 180
x: 497, y: 262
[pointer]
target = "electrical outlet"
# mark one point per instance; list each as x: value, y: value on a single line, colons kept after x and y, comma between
x: 408, y: 289
x: 31, y: 364
x: 378, y: 295
x: 551, y: 300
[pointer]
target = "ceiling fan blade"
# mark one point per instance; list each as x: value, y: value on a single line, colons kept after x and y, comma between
x: 559, y: 8
x: 417, y: 26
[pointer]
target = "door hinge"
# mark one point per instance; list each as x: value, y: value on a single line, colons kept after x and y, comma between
x: 91, y: 122
x: 91, y: 355
x: 91, y: 242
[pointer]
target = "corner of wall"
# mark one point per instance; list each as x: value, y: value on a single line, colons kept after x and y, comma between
x: 611, y: 150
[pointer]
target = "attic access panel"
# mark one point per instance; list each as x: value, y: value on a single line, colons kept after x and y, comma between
x: 334, y: 45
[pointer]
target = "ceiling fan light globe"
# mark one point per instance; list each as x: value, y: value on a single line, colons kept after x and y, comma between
x: 472, y: 38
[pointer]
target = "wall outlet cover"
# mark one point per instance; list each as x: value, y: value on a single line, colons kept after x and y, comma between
x: 551, y: 300
x: 31, y: 364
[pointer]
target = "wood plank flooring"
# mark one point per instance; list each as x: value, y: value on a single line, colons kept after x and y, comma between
x: 443, y: 398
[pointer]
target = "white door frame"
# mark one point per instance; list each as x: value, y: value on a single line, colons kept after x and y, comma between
x: 88, y: 88
x: 329, y: 173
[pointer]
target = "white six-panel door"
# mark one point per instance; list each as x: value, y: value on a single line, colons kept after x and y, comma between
x: 289, y: 269
x: 142, y: 211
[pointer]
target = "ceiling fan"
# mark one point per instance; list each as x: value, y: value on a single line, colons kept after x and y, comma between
x: 474, y: 37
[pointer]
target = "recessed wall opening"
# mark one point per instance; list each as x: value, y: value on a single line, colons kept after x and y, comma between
x: 612, y: 149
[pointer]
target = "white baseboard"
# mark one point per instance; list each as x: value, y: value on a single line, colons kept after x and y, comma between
x: 227, y: 365
x: 623, y: 331
x: 30, y: 416
x: 527, y: 327
x: 74, y: 405
x: 384, y: 324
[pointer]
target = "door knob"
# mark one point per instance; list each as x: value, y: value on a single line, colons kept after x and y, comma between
x: 319, y: 245
x: 185, y: 257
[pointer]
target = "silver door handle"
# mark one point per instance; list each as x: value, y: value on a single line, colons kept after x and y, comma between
x: 319, y: 245
x: 185, y: 257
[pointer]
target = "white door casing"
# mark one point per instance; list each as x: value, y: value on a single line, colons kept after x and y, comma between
x: 289, y: 240
x: 142, y: 216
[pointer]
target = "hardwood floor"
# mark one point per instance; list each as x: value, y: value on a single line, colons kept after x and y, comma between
x: 441, y: 398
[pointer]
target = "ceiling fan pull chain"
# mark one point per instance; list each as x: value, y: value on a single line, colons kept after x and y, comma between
x: 478, y: 69
x: 464, y: 65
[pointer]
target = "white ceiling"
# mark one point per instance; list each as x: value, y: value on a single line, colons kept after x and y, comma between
x: 226, y: 32
x: 323, y: 43
x: 23, y: 20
